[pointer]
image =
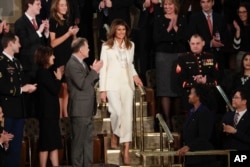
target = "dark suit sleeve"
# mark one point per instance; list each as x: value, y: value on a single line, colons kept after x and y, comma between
x: 243, y: 136
x: 205, y: 129
x: 80, y: 79
x: 26, y: 37
x: 51, y: 84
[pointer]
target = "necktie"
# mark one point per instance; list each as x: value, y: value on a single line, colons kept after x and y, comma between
x: 236, y: 117
x: 210, y: 26
x: 34, y: 24
x: 151, y: 8
x: 15, y: 62
x: 106, y: 12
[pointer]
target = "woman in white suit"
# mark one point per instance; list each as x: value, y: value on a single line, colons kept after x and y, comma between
x: 117, y: 78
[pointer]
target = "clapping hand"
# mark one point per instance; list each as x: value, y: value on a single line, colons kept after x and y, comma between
x: 29, y: 88
x: 59, y: 72
x: 97, y: 65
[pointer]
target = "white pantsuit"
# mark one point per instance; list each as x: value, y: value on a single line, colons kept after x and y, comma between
x: 116, y: 78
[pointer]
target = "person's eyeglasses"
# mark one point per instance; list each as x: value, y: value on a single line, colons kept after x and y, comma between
x: 236, y: 97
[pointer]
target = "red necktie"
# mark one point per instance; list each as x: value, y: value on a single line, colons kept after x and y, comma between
x: 151, y: 8
x: 210, y: 26
x: 34, y: 24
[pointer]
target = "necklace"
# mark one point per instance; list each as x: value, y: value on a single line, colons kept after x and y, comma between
x: 244, y: 79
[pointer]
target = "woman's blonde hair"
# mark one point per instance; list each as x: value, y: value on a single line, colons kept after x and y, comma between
x: 176, y: 5
x: 111, y: 35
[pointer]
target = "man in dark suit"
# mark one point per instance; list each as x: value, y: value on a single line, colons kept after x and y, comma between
x: 211, y: 27
x: 198, y: 129
x: 236, y: 125
x: 32, y: 33
x: 81, y: 102
x: 12, y: 90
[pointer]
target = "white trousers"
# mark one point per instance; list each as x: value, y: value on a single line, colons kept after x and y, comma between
x: 121, y: 111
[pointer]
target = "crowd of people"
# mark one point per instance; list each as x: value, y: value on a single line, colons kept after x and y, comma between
x: 47, y: 70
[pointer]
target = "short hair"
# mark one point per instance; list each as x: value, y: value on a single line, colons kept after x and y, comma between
x: 202, y: 92
x: 42, y: 55
x: 244, y: 93
x: 8, y: 37
x: 27, y: 2
x: 196, y: 36
x: 78, y: 43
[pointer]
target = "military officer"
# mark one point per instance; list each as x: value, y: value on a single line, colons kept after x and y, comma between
x: 11, y: 95
x: 196, y: 67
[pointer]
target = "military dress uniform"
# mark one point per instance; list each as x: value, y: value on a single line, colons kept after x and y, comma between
x: 11, y: 81
x: 190, y: 65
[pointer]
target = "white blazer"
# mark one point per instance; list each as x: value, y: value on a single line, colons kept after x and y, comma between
x: 110, y: 73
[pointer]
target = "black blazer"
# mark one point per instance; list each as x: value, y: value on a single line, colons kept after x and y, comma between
x: 30, y: 41
x: 240, y: 140
x: 169, y: 42
x: 11, y: 80
x: 198, y: 25
x: 48, y: 94
x: 197, y: 133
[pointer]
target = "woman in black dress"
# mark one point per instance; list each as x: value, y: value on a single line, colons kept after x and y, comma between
x: 61, y: 37
x: 242, y: 79
x: 48, y: 106
x: 170, y: 40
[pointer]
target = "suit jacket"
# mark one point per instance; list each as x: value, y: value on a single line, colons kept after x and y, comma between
x: 30, y: 41
x: 185, y: 6
x: 11, y: 80
x: 48, y: 89
x: 197, y: 133
x: 198, y: 25
x: 241, y: 139
x: 81, y: 88
x: 110, y: 73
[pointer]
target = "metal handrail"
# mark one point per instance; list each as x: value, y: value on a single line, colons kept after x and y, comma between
x: 189, y: 153
x: 163, y: 124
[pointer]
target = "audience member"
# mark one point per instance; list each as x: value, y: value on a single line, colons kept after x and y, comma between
x: 236, y: 125
x: 198, y: 129
x: 108, y: 10
x: 4, y: 28
x: 5, y: 138
x: 48, y: 106
x: 242, y: 79
x: 32, y: 33
x: 189, y: 7
x: 81, y: 102
x: 170, y: 41
x: 117, y: 78
x: 210, y: 26
x: 12, y: 90
x: 144, y: 37
x: 61, y: 37
x: 196, y: 67
x: 241, y: 40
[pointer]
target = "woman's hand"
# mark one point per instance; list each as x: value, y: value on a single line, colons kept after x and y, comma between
x: 59, y: 72
x: 103, y: 96
x: 137, y: 81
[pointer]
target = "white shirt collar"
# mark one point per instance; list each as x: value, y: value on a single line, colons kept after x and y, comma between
x: 29, y: 17
x: 9, y: 56
x: 206, y: 14
x: 241, y: 113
